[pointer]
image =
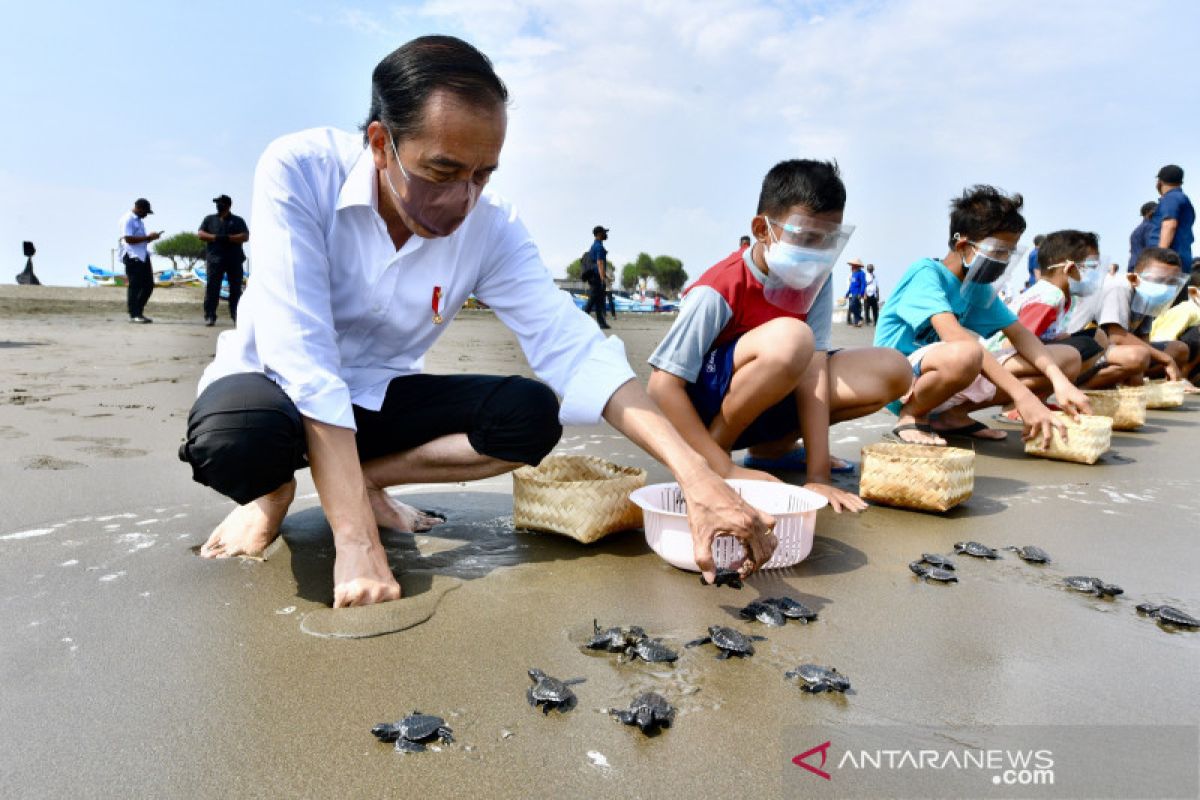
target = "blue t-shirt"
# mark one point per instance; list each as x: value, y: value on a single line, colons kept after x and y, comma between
x: 928, y: 288
x: 1033, y: 265
x: 1139, y: 241
x: 1175, y: 205
x: 858, y: 284
x: 599, y: 253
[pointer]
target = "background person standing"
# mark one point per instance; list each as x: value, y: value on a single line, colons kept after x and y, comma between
x: 595, y: 272
x: 856, y: 292
x: 1139, y: 239
x: 223, y: 234
x: 139, y: 278
x: 1171, y: 225
x: 871, y: 298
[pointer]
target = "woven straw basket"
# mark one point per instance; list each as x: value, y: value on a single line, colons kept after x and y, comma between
x: 1087, y: 440
x: 1125, y: 404
x: 1164, y: 394
x: 583, y: 497
x: 917, y: 476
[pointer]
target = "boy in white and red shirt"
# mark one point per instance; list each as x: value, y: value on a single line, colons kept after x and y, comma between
x: 748, y: 363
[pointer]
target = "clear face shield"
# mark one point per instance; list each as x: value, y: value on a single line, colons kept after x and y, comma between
x: 1156, y: 290
x: 800, y: 259
x: 1084, y: 277
x: 989, y: 271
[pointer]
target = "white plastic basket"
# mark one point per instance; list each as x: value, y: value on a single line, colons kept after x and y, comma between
x: 664, y: 513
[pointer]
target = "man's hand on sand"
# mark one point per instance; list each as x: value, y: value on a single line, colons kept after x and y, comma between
x: 361, y: 576
x: 715, y: 509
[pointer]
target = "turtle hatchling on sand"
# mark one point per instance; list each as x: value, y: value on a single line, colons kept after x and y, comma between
x: 1032, y: 554
x: 648, y: 711
x: 1082, y: 583
x: 1169, y: 615
x: 764, y: 612
x: 815, y: 678
x: 652, y: 650
x: 792, y: 608
x: 932, y: 573
x: 729, y: 641
x: 937, y: 560
x: 551, y: 692
x: 412, y: 733
x: 975, y: 549
x: 614, y: 640
x: 724, y: 577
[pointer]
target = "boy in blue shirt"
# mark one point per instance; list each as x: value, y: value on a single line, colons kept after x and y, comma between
x: 748, y: 363
x: 938, y: 315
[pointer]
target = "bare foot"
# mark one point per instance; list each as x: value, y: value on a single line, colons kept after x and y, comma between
x: 250, y: 528
x: 362, y: 577
x: 391, y: 513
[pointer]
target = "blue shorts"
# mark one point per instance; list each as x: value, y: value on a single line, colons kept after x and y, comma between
x: 712, y: 384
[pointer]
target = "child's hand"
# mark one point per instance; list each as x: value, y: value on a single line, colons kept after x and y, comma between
x: 1039, y: 421
x: 839, y: 499
x: 1173, y: 373
x: 1073, y: 401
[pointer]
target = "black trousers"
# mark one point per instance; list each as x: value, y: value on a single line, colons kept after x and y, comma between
x: 139, y: 282
x: 855, y: 315
x: 596, y: 300
x: 871, y: 309
x: 212, y: 292
x: 245, y: 436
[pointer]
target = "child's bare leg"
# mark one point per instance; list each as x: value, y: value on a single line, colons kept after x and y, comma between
x: 1178, y: 351
x: 1067, y: 359
x: 946, y: 369
x: 768, y: 363
x: 864, y: 380
x: 1126, y: 365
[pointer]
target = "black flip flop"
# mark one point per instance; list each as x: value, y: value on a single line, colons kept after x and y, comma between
x: 922, y: 427
x: 969, y: 431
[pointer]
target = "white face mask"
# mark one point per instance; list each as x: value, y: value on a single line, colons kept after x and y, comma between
x: 797, y: 273
x: 1090, y: 279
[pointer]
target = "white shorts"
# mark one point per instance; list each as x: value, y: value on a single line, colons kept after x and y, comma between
x: 980, y: 390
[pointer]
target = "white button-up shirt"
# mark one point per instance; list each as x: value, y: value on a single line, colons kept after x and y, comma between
x: 334, y: 312
x: 132, y: 225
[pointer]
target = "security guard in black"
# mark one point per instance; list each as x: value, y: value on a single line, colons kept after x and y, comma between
x: 223, y: 234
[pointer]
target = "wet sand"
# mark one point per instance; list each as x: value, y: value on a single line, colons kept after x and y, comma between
x: 133, y: 668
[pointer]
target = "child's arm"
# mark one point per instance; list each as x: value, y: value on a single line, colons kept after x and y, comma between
x: 670, y: 393
x: 1033, y: 350
x: 813, y: 392
x: 1118, y: 335
x: 1036, y: 417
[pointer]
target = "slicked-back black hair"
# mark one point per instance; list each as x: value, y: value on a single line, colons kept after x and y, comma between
x: 982, y: 211
x: 1066, y: 245
x: 816, y: 185
x: 403, y: 81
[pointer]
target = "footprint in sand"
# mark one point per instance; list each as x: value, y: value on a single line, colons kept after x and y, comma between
x: 50, y: 462
x: 366, y: 621
x: 104, y: 446
x: 9, y: 432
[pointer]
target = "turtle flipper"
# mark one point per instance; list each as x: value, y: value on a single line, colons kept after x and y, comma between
x: 529, y: 695
x: 406, y: 746
x: 698, y: 642
x: 446, y: 735
x: 724, y: 654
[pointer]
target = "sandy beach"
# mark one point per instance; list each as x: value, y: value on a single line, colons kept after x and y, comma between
x: 132, y: 668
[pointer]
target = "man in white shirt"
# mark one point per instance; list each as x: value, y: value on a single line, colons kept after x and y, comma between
x: 361, y: 256
x: 135, y: 255
x: 871, y: 300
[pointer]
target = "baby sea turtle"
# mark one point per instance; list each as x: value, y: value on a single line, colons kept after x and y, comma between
x: 766, y: 613
x: 1169, y: 615
x: 730, y: 642
x: 792, y: 608
x: 932, y: 573
x: 551, y: 692
x: 1030, y: 553
x: 975, y: 549
x: 648, y: 711
x: 652, y: 650
x: 725, y: 577
x: 1082, y: 583
x: 614, y: 640
x: 937, y: 560
x: 815, y: 678
x: 413, y: 732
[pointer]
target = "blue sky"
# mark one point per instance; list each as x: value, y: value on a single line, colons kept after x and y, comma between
x: 657, y: 119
